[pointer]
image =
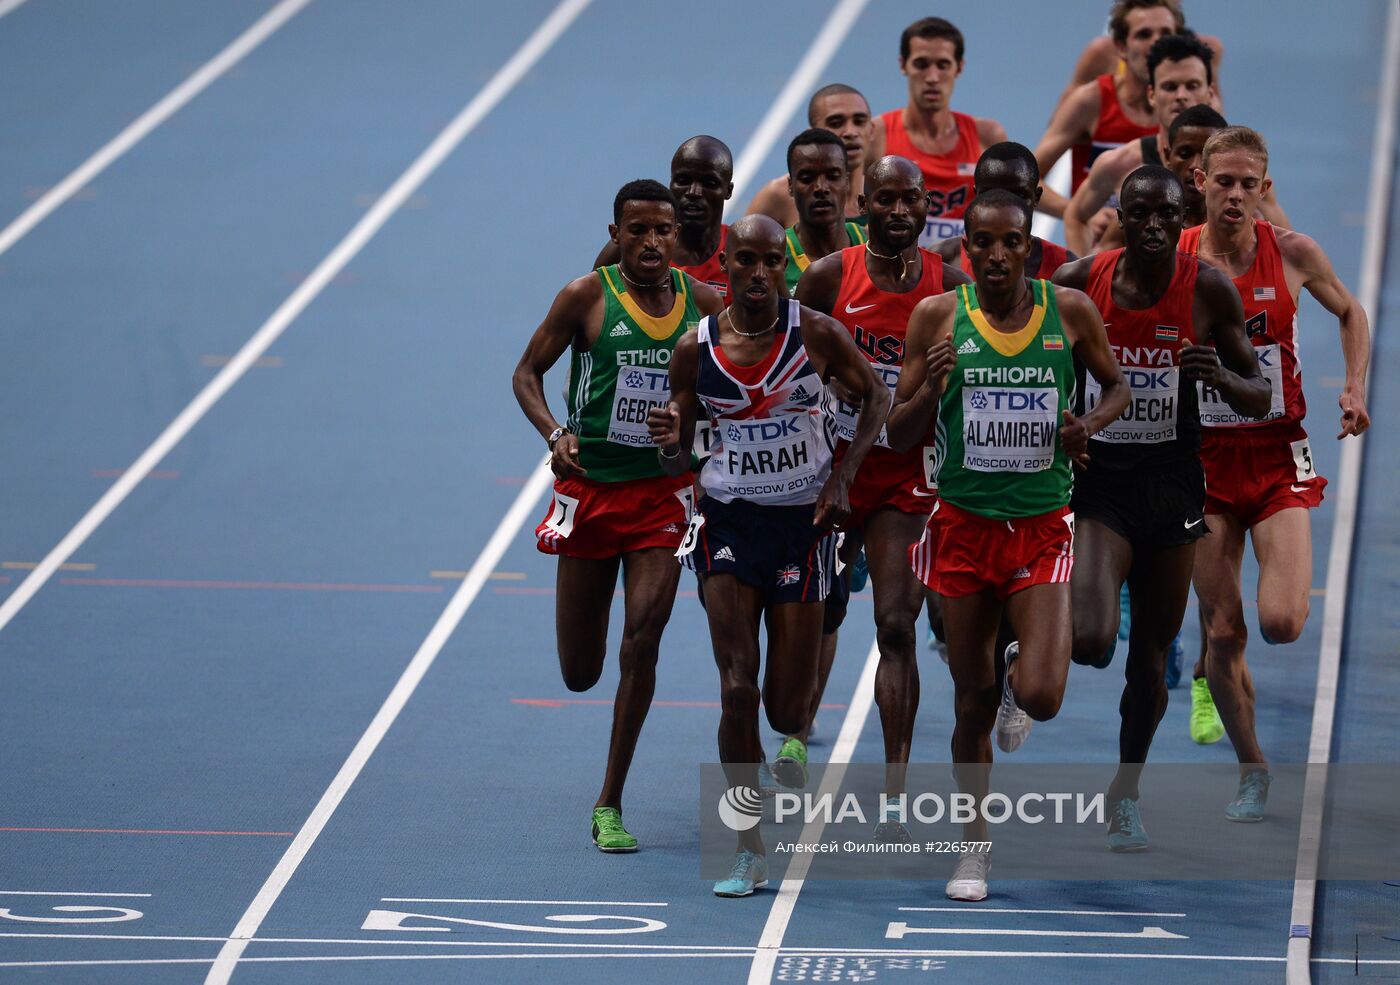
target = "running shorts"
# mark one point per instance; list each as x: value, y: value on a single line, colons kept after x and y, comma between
x: 962, y: 553
x: 590, y: 519
x: 1252, y: 478
x: 1151, y: 509
x: 889, y: 480
x: 776, y: 549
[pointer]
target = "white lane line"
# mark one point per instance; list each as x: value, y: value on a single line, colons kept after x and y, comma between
x: 770, y: 942
x: 31, y: 892
x: 793, y: 96
x: 1072, y: 913
x: 1058, y: 179
x: 373, y: 220
x: 1344, y: 527
x: 170, y: 104
x: 305, y: 959
x: 900, y: 930
x: 7, y: 6
x: 517, y: 902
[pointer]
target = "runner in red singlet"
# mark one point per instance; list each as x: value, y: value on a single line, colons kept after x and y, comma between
x: 702, y: 170
x: 944, y: 144
x: 1260, y: 475
x: 872, y: 290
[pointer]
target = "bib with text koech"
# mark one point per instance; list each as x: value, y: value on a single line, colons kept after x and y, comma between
x: 1150, y: 417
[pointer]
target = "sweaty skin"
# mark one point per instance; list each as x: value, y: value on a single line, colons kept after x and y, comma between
x: 847, y: 115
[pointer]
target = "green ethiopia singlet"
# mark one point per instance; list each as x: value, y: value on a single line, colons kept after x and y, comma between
x: 997, y: 449
x: 624, y: 375
x: 797, y: 259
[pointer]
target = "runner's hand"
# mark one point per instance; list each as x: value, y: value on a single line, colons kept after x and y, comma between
x: 564, y: 459
x: 843, y: 393
x: 834, y: 502
x: 1201, y: 363
x: 1354, y: 416
x: 942, y: 357
x: 1074, y: 437
x: 664, y: 423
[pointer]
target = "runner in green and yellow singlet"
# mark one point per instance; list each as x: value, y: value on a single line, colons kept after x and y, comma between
x: 994, y: 360
x: 819, y: 183
x: 614, y: 506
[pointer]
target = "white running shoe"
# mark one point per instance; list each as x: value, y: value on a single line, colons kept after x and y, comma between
x: 969, y: 882
x: 1013, y: 724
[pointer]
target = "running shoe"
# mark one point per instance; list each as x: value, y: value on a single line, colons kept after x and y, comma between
x: 969, y: 882
x: 1125, y: 830
x: 1248, y: 805
x: 750, y: 872
x: 1174, y: 655
x: 1013, y: 724
x: 860, y: 571
x: 890, y: 828
x: 790, y: 768
x: 1125, y: 612
x: 1206, y: 726
x: 609, y: 834
x: 934, y: 643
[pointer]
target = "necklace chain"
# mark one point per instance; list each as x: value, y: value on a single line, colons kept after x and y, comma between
x: 636, y: 283
x: 903, y: 260
x: 734, y: 326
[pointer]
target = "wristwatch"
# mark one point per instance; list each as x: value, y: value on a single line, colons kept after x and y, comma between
x: 555, y: 435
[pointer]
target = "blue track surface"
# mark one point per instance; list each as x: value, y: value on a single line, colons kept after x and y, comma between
x: 218, y: 646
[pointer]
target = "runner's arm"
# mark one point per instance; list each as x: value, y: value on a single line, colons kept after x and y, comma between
x: 1073, y: 121
x: 1270, y: 209
x: 1073, y: 274
x: 673, y: 427
x: 774, y: 201
x: 820, y: 283
x: 990, y: 131
x: 1323, y: 284
x: 1104, y: 178
x: 610, y: 254
x: 1231, y: 366
x: 564, y: 325
x: 1085, y: 329
x: 928, y: 358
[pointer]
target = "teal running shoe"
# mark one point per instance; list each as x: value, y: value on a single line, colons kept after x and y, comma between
x: 1125, y: 612
x: 1248, y: 805
x: 891, y: 829
x: 860, y: 571
x: 1174, y: 656
x: 609, y: 834
x: 790, y: 768
x: 750, y: 872
x: 1125, y: 830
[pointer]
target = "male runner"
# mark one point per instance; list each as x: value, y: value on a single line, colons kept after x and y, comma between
x: 994, y: 363
x: 1260, y: 477
x: 819, y: 182
x: 845, y: 112
x: 944, y: 144
x: 1111, y: 109
x: 759, y: 536
x: 1178, y: 75
x: 1139, y: 504
x: 872, y: 290
x: 702, y: 171
x: 1013, y: 167
x: 612, y: 503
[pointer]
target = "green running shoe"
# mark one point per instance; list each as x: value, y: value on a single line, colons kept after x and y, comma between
x: 790, y: 768
x: 750, y: 872
x: 1125, y: 830
x: 609, y: 834
x: 1248, y: 805
x: 1206, y: 726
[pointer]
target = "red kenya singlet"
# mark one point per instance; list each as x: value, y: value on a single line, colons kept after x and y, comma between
x: 1161, y: 425
x: 1271, y: 321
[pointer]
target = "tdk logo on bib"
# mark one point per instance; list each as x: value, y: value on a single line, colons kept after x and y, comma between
x: 764, y: 430
x: 1013, y: 400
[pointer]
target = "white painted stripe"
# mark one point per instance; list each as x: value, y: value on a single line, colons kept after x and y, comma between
x: 899, y: 930
x: 1058, y: 179
x: 977, y: 910
x: 770, y: 942
x: 793, y: 96
x: 1344, y: 526
x: 517, y: 902
x: 170, y: 104
x: 408, y: 182
x: 7, y: 6
x: 30, y: 892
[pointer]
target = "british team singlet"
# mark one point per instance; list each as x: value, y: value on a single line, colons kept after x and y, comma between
x: 998, y: 448
x: 947, y: 177
x: 1053, y: 256
x: 1112, y: 129
x: 797, y: 258
x: 1160, y: 426
x: 1271, y: 322
x: 879, y: 321
x: 772, y: 441
x: 708, y: 271
x: 614, y: 384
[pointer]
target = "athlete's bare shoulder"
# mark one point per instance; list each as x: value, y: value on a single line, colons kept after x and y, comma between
x: 1299, y: 249
x: 990, y: 131
x: 1074, y: 274
x: 933, y: 311
x: 953, y: 276
x: 820, y: 283
x: 582, y: 292
x: 949, y: 249
x: 1075, y: 306
x: 774, y: 201
x: 1119, y: 161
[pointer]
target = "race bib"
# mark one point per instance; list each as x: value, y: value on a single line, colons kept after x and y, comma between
x: 765, y: 458
x: 931, y: 466
x: 1216, y: 413
x: 562, y: 514
x: 844, y: 414
x: 1150, y: 417
x: 704, y: 434
x: 692, y: 535
x: 1009, y: 429
x: 638, y: 390
x: 1302, y: 460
